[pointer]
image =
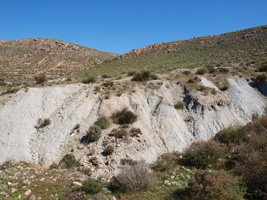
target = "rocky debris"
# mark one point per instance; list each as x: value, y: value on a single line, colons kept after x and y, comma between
x: 77, y: 184
x: 27, y: 193
x: 32, y: 197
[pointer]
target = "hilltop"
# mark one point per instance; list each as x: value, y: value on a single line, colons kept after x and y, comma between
x: 245, y: 47
x: 22, y: 59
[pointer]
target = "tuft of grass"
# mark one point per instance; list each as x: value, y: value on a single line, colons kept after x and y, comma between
x: 179, y: 105
x: 132, y: 178
x: 89, y: 79
x: 141, y: 76
x: 102, y: 122
x: 202, y: 71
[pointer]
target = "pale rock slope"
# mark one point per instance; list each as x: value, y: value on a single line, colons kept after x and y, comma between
x: 164, y: 128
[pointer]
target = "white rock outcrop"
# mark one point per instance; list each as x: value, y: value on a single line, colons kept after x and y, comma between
x: 164, y: 128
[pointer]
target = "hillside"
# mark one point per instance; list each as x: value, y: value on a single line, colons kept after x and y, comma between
x: 244, y: 48
x: 22, y: 59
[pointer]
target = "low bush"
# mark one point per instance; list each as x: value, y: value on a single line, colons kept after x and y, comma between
x: 127, y: 161
x: 102, y: 122
x: 232, y: 134
x: 43, y: 122
x: 179, y: 105
x: 132, y: 178
x: 92, y: 186
x: 119, y: 133
x: 204, y: 154
x: 39, y: 79
x: 68, y: 161
x: 202, y: 71
x: 109, y: 150
x: 166, y: 162
x: 186, y: 72
x: 124, y: 117
x: 135, y: 132
x: 141, y: 76
x: 212, y: 185
x: 93, y: 134
x: 89, y: 79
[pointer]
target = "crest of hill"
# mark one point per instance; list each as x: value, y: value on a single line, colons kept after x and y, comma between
x: 24, y: 58
x: 238, y: 48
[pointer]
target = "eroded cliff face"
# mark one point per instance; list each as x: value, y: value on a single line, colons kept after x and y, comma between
x: 164, y: 128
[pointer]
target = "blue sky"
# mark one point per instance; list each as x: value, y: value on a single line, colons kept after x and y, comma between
x: 122, y: 25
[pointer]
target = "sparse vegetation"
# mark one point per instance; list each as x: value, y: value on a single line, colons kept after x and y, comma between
x: 204, y: 154
x: 39, y: 79
x: 109, y: 150
x: 124, y: 117
x: 232, y: 134
x: 141, y: 76
x: 93, y: 134
x: 68, y: 161
x: 179, y: 105
x: 89, y: 79
x: 92, y: 186
x: 43, y: 123
x: 133, y: 178
x: 102, y: 122
x: 212, y: 185
x: 202, y: 71
x: 119, y: 132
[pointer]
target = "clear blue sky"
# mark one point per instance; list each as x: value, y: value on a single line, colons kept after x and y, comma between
x: 122, y: 25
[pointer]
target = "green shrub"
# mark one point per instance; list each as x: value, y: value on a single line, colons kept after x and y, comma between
x: 102, y: 122
x: 141, y: 76
x: 124, y: 117
x: 92, y: 186
x: 212, y: 185
x: 41, y: 78
x: 166, y: 162
x: 232, y: 134
x: 179, y: 105
x: 204, y: 154
x: 109, y: 150
x: 89, y: 79
x: 68, y: 161
x: 93, y: 134
x: 132, y: 178
x: 202, y: 71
